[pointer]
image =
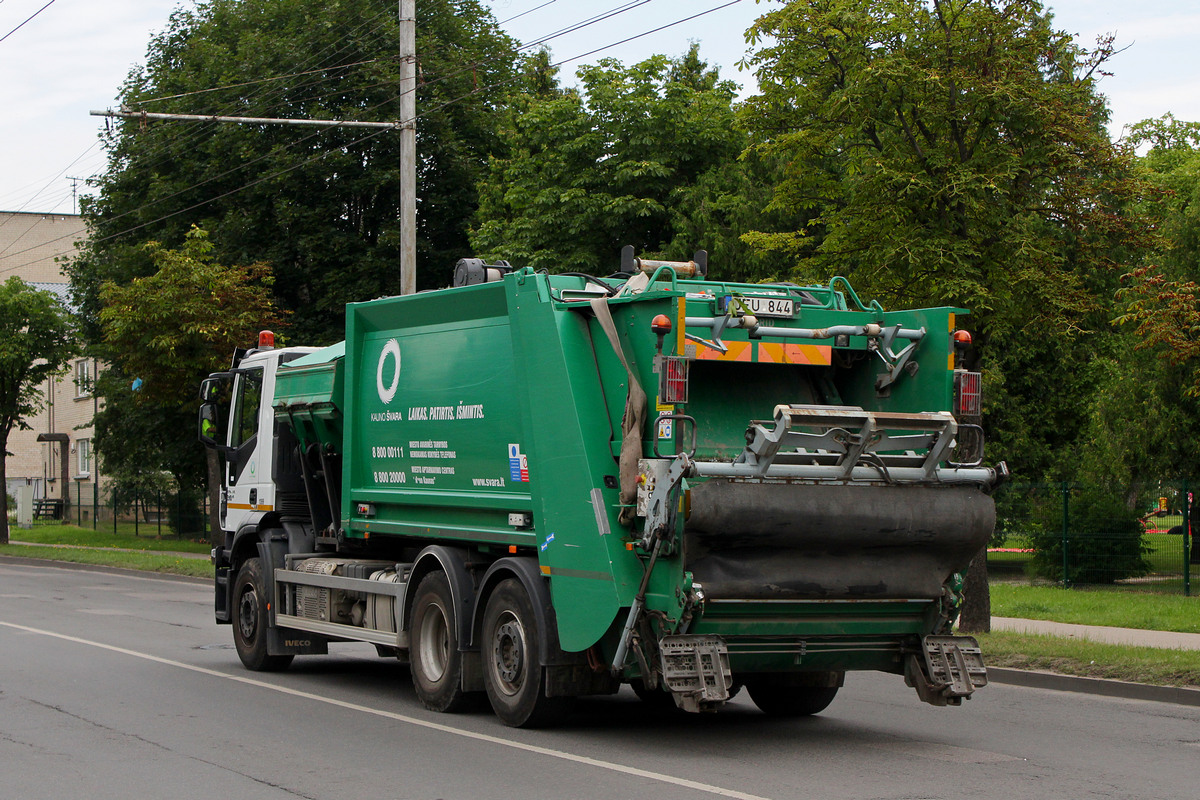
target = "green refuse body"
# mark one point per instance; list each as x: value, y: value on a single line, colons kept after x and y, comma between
x: 545, y: 486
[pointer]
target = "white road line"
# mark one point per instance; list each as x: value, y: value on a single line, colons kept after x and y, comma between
x: 482, y: 737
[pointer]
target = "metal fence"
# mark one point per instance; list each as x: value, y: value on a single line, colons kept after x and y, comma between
x: 144, y: 513
x: 1073, y: 535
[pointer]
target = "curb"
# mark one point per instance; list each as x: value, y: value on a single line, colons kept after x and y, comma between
x: 1036, y: 679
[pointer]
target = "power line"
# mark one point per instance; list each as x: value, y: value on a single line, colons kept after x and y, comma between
x: 530, y: 11
x: 468, y: 68
x: 22, y: 25
x: 260, y: 81
x: 356, y: 142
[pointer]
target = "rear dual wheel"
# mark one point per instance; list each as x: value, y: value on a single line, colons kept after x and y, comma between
x: 512, y: 668
x: 778, y: 697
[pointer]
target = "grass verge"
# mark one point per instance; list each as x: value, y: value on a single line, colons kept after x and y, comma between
x: 146, y: 561
x: 86, y: 537
x: 1154, y: 612
x: 1149, y: 665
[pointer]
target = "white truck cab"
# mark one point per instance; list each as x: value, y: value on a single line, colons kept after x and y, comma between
x: 248, y: 490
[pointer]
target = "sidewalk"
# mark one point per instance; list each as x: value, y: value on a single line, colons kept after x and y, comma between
x: 1100, y: 633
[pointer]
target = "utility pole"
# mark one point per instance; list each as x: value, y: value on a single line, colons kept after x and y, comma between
x: 408, y: 138
x: 408, y: 147
x: 75, y: 193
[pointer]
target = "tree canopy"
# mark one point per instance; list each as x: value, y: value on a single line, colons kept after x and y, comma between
x: 953, y: 152
x: 165, y: 332
x: 582, y: 174
x: 319, y: 205
x: 1163, y: 295
x: 172, y: 328
x: 37, y: 339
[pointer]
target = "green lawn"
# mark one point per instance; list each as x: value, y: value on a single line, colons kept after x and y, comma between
x: 1160, y: 612
x: 86, y: 537
x: 147, y: 561
x: 1149, y: 665
x: 105, y: 548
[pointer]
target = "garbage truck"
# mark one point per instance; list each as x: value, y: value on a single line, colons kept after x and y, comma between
x: 545, y: 486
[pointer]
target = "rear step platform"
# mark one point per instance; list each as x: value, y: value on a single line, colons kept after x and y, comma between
x: 952, y: 668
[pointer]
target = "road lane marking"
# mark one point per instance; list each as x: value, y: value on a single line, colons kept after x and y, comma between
x: 435, y: 726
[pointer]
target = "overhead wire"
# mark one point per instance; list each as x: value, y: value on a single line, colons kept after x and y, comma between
x: 604, y: 15
x: 526, y: 13
x: 23, y: 234
x: 268, y: 98
x: 27, y: 21
x: 367, y: 137
x: 563, y: 31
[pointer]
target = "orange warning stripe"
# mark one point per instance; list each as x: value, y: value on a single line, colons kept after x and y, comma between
x: 769, y: 353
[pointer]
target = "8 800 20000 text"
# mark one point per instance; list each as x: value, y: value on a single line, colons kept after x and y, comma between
x: 391, y: 477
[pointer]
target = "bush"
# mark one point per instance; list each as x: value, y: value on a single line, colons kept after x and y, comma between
x: 1104, y: 539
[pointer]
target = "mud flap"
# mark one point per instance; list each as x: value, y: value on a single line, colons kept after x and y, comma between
x: 951, y: 668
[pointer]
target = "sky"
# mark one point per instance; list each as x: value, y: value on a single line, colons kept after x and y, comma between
x: 60, y: 60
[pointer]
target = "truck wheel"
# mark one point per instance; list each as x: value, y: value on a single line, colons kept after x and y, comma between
x: 779, y: 699
x: 436, y: 663
x: 655, y: 698
x: 251, y: 620
x: 512, y: 669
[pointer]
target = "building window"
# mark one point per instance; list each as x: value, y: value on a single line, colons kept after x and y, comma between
x: 83, y: 449
x: 83, y: 378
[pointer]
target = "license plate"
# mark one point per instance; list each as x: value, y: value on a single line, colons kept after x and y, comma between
x: 770, y: 306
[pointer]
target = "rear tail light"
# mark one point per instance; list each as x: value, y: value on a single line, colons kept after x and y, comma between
x: 673, y: 380
x: 968, y: 394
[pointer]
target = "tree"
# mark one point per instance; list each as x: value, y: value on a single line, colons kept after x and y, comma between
x: 36, y: 341
x: 167, y: 331
x: 953, y: 152
x: 1162, y: 293
x: 582, y: 174
x: 321, y: 206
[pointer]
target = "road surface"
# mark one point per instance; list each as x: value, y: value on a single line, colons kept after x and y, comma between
x: 119, y: 686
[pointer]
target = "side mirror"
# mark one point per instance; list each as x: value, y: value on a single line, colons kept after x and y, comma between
x: 209, y: 425
x: 210, y: 387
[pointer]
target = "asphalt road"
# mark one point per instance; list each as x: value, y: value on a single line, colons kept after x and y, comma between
x: 115, y: 686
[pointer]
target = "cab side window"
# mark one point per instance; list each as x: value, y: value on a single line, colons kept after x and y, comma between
x: 245, y: 412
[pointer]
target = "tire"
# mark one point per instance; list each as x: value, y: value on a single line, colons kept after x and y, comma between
x: 779, y: 698
x: 435, y: 660
x: 512, y: 669
x: 654, y: 698
x: 251, y: 620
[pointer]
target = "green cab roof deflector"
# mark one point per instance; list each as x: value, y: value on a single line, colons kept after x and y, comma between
x: 321, y: 356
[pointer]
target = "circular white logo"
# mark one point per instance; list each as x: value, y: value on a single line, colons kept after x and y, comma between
x: 386, y: 393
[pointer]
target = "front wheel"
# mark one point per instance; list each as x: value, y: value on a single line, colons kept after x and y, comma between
x: 252, y: 620
x: 436, y: 662
x: 512, y: 670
